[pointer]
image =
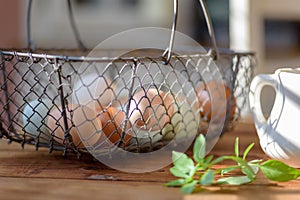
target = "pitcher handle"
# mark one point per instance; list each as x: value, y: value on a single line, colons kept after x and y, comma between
x: 257, y: 84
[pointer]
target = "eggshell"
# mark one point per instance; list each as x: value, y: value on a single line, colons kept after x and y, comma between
x: 145, y: 139
x: 85, y: 121
x: 213, y: 90
x: 113, y: 120
x: 92, y: 88
x: 184, y: 124
x: 88, y: 126
x: 34, y: 117
x: 151, y: 110
x: 120, y: 103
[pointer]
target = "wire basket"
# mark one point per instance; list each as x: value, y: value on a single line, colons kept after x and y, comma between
x: 64, y: 101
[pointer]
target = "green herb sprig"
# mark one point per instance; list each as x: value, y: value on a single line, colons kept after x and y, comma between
x: 200, y: 170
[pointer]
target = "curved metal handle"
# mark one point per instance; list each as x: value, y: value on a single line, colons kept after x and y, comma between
x: 30, y: 43
x: 214, y: 52
x: 74, y: 28
x: 168, y: 52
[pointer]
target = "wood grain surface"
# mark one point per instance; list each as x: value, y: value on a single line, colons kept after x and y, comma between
x: 30, y: 174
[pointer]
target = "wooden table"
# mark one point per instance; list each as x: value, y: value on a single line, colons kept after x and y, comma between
x: 30, y: 174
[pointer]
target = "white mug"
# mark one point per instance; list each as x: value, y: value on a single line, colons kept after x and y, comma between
x: 279, y: 134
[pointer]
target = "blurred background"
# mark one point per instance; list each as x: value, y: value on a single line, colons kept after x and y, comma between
x: 270, y: 28
x: 99, y: 19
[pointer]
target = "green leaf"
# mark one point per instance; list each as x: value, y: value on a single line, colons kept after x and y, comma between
x: 185, y: 168
x: 278, y: 171
x: 236, y: 147
x: 199, y: 149
x: 248, y: 150
x: 206, y: 163
x: 176, y: 155
x: 182, y: 162
x: 255, y: 167
x: 175, y: 183
x: 189, y: 187
x: 254, y: 164
x: 229, y: 169
x: 237, y: 180
x: 183, y: 165
x: 207, y: 178
x: 179, y: 173
x: 208, y: 159
x: 217, y: 160
x: 246, y: 169
x: 257, y: 161
x: 251, y: 174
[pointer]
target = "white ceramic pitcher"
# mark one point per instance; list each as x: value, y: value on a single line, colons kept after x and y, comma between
x: 279, y: 134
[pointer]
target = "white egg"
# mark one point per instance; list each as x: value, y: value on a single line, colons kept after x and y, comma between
x: 35, y: 116
x: 168, y: 131
x: 183, y: 127
x: 144, y: 139
x: 184, y: 124
x: 93, y: 90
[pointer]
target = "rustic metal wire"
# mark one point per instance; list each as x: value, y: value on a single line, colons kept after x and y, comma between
x: 26, y: 76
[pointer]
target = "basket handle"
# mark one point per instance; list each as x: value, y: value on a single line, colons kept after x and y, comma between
x: 167, y: 53
x: 214, y: 51
x: 30, y: 43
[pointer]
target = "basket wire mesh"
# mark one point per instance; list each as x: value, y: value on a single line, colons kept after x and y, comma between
x: 143, y: 104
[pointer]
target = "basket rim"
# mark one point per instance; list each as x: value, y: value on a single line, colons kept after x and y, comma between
x: 26, y: 53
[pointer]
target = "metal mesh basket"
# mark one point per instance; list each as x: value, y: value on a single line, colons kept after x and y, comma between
x: 64, y: 101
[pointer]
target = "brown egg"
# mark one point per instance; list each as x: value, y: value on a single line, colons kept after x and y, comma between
x: 86, y: 125
x: 113, y: 120
x: 152, y: 110
x: 213, y: 90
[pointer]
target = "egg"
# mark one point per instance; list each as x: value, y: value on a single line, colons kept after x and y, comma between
x: 151, y: 110
x: 92, y: 88
x: 85, y: 127
x: 213, y: 90
x: 144, y: 139
x: 120, y: 103
x: 88, y: 126
x: 183, y: 125
x: 113, y: 120
x: 34, y: 118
